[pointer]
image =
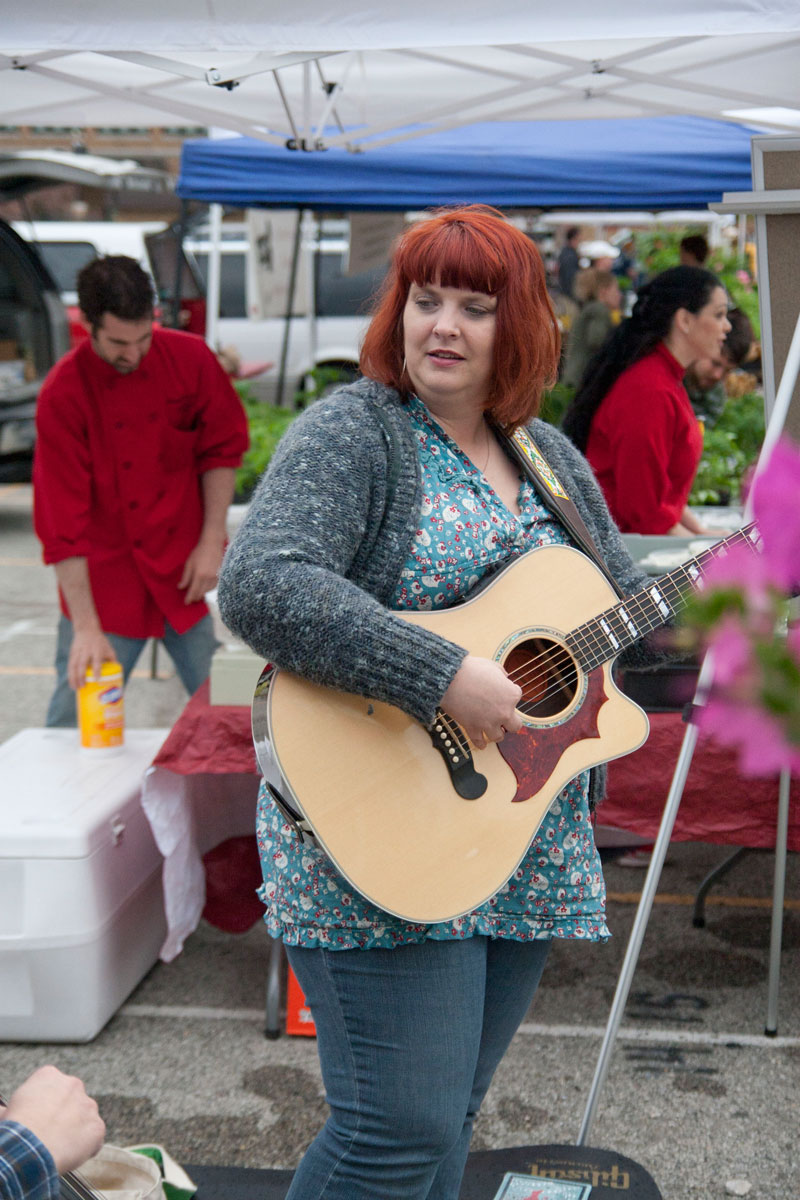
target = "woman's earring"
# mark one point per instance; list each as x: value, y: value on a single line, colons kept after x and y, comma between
x: 403, y: 371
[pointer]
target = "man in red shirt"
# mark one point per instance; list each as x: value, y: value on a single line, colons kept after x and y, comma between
x: 139, y: 433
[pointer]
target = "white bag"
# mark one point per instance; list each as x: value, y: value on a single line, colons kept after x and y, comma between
x: 119, y: 1174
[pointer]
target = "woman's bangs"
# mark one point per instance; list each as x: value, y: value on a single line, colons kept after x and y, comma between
x: 454, y: 258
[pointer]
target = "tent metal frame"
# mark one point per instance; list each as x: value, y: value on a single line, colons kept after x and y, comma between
x: 588, y: 76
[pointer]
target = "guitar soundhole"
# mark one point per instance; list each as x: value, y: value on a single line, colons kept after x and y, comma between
x: 547, y: 674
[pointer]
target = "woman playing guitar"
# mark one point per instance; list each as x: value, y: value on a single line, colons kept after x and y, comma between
x: 396, y: 495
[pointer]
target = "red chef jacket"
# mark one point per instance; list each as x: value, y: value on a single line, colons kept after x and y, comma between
x: 645, y: 444
x: 117, y: 474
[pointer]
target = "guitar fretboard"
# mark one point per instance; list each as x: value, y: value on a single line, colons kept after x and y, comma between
x: 607, y: 635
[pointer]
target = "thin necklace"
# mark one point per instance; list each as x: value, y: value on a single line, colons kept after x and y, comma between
x: 488, y: 448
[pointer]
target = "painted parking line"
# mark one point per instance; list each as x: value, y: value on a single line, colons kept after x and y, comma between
x: 686, y: 900
x: 21, y: 562
x: 186, y: 1012
x: 685, y: 1036
x: 16, y: 629
x: 183, y: 1012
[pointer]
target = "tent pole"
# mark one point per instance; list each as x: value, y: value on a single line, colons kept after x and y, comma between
x: 774, y: 430
x: 213, y: 285
x: 178, y: 288
x: 287, y: 322
x: 309, y: 238
x: 642, y: 916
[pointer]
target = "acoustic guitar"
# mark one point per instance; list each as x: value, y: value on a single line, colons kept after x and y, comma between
x: 417, y: 819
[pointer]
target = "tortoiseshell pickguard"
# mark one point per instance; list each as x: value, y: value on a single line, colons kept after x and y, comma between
x: 533, y: 753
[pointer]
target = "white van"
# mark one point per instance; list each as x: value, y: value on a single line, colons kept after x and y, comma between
x: 67, y: 246
x: 255, y: 275
x: 251, y: 320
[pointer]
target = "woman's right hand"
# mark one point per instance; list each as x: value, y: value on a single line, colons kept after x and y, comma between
x: 483, y: 700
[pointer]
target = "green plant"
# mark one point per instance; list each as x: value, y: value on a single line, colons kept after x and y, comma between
x: 555, y: 402
x: 729, y: 449
x: 267, y: 424
x: 323, y: 380
x: 657, y: 249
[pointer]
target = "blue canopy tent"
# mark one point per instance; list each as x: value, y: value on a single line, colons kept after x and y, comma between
x: 634, y: 163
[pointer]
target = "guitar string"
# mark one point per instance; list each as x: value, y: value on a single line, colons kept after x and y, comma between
x: 635, y: 606
x: 584, y: 640
x: 74, y: 1185
x: 538, y: 670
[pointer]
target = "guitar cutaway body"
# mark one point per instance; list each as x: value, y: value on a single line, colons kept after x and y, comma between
x: 381, y: 797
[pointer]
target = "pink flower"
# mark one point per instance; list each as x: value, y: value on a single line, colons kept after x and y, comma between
x: 776, y: 508
x: 733, y: 657
x: 759, y: 738
x: 793, y: 641
x: 742, y: 568
x: 754, y: 703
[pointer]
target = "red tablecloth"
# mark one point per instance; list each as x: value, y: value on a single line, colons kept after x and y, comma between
x: 209, y: 739
x: 718, y: 804
x: 216, y: 740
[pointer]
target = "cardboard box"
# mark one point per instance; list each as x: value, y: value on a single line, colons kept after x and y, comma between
x: 81, y: 902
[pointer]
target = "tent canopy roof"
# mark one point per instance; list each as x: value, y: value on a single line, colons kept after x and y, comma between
x: 241, y: 25
x: 661, y: 162
x: 256, y: 67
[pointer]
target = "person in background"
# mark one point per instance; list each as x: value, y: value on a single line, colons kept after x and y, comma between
x: 599, y: 254
x: 600, y: 296
x: 569, y: 260
x: 693, y: 250
x: 397, y: 494
x: 705, y: 379
x: 627, y: 266
x: 631, y: 415
x: 49, y: 1127
x: 139, y: 433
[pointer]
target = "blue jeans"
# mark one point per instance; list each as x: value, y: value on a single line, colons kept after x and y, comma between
x: 408, y: 1041
x: 191, y: 653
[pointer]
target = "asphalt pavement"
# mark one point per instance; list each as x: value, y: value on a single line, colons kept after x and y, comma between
x: 695, y: 1093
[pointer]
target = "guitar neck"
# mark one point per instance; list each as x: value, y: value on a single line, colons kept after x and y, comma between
x: 627, y: 622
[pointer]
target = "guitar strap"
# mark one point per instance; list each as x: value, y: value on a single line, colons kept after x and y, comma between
x: 523, y: 450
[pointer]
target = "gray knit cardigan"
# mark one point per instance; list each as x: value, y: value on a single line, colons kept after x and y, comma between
x: 307, y: 579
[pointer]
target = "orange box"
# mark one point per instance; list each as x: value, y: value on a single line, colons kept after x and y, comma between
x: 298, y: 1015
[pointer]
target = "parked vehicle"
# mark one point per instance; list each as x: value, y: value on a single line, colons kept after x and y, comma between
x: 34, y: 334
x: 254, y: 292
x: 252, y: 322
x: 66, y: 247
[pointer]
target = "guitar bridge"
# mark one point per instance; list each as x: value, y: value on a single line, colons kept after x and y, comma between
x: 448, y: 739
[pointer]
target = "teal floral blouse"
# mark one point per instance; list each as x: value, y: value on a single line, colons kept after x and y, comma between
x: 557, y: 890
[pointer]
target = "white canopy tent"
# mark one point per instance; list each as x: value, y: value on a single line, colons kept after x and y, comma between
x: 272, y: 71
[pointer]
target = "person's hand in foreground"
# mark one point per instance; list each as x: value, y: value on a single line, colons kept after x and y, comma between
x: 56, y: 1108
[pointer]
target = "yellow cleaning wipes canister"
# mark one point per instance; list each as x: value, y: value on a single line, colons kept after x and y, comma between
x: 101, y: 709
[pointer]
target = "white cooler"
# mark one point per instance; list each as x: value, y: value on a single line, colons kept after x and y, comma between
x: 81, y: 903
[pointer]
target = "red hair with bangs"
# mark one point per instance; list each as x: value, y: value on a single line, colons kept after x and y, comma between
x: 476, y: 249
